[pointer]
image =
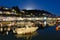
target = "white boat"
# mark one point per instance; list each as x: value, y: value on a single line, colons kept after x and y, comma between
x: 25, y: 30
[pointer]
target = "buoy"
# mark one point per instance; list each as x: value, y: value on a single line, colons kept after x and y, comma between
x: 56, y: 28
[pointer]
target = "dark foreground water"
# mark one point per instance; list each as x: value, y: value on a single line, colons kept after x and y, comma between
x: 42, y: 34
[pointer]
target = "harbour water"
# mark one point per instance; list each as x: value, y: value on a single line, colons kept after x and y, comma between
x: 42, y: 34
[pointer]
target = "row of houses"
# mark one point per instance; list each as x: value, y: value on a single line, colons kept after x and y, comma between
x: 32, y: 18
x: 11, y: 14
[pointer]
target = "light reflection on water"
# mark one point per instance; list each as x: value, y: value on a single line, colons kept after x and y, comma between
x: 42, y: 34
x: 26, y: 36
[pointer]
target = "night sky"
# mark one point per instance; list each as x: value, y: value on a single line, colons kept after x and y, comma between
x: 52, y: 6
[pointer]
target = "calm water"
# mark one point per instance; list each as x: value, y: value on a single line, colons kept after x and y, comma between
x: 42, y: 34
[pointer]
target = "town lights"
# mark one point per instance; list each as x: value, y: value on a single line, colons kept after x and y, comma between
x: 45, y: 18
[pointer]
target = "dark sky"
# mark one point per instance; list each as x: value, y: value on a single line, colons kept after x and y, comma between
x: 52, y: 6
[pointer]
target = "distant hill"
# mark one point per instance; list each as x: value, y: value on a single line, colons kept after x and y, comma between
x: 27, y: 13
x: 39, y: 13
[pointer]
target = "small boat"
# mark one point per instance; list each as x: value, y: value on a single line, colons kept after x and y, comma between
x: 25, y: 30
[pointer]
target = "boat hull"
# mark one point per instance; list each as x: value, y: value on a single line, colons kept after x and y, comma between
x: 25, y: 30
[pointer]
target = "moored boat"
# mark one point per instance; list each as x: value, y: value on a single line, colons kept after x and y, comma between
x: 25, y: 30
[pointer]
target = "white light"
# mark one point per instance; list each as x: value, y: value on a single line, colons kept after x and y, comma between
x: 44, y: 22
x: 45, y: 18
x: 28, y: 8
x: 5, y: 8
